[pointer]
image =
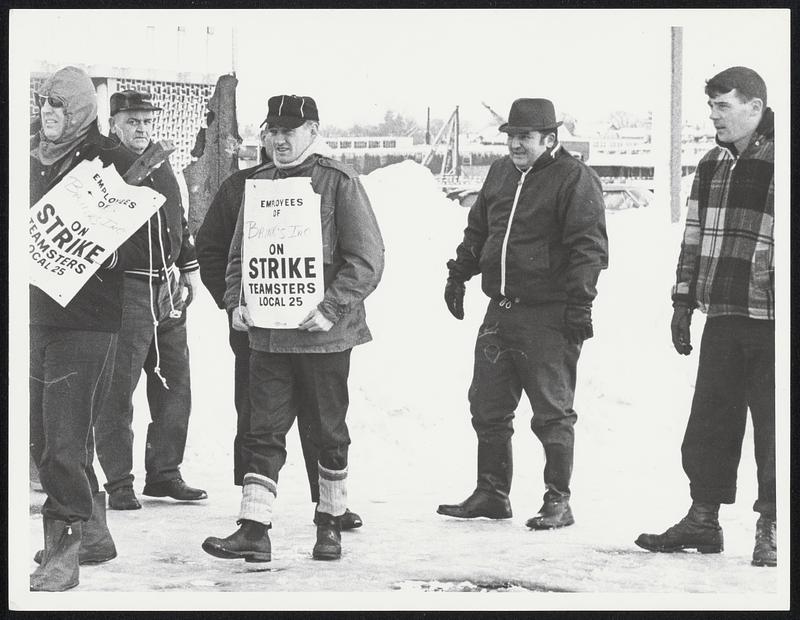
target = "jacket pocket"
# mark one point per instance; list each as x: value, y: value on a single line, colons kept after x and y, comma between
x: 328, y: 232
x: 762, y: 268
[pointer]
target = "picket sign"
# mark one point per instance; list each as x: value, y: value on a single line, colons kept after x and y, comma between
x: 282, y: 270
x: 80, y: 222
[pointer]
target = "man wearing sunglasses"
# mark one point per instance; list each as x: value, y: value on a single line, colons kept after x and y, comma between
x: 71, y: 347
x: 154, y: 292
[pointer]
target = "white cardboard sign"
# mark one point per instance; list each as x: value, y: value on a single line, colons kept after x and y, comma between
x: 80, y: 222
x: 282, y: 270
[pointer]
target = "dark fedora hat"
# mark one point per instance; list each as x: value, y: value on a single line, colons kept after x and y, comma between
x: 530, y: 115
x: 290, y: 111
x: 129, y: 100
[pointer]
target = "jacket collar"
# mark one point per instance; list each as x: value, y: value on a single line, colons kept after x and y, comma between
x: 545, y: 159
x: 764, y: 131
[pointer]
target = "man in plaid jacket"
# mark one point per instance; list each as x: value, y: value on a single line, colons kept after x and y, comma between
x: 726, y: 270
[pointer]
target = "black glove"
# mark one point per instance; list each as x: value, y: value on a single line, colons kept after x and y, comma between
x: 578, y: 323
x: 454, y: 297
x: 681, y: 320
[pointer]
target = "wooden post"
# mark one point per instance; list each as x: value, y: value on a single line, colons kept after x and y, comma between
x: 676, y: 93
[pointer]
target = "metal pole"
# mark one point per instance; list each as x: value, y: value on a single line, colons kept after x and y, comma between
x: 676, y: 93
x: 428, y: 128
x: 456, y: 154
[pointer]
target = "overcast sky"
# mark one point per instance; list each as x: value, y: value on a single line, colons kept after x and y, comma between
x: 358, y: 64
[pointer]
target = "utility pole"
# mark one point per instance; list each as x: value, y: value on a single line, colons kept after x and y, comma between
x: 676, y: 100
x: 428, y: 128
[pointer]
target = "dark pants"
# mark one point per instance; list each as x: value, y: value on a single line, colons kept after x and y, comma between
x: 524, y: 348
x: 240, y: 345
x: 169, y: 408
x: 736, y: 371
x: 281, y: 386
x: 70, y: 371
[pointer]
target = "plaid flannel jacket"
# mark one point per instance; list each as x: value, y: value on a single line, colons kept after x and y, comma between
x: 726, y: 261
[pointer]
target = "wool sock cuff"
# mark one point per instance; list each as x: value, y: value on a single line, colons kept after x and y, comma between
x: 332, y: 491
x: 258, y: 495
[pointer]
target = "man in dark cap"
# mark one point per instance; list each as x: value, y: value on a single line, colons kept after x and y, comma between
x: 153, y: 335
x: 537, y: 236
x: 213, y: 246
x: 726, y: 270
x: 308, y: 366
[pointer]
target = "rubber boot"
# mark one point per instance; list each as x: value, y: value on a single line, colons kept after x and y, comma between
x: 765, y: 553
x: 555, y: 511
x: 249, y: 543
x: 329, y: 538
x: 97, y: 546
x: 699, y: 529
x: 490, y: 497
x: 59, y: 569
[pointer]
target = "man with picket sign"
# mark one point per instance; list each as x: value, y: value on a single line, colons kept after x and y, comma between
x: 305, y: 254
x: 73, y: 335
x: 213, y: 245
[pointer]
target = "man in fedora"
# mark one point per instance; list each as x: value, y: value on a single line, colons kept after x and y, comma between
x: 537, y: 236
x: 153, y: 334
x: 305, y: 367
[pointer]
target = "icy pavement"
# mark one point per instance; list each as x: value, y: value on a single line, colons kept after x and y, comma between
x: 413, y: 448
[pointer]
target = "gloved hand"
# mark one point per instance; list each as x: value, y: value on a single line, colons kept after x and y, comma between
x: 681, y: 337
x: 454, y: 297
x: 578, y: 323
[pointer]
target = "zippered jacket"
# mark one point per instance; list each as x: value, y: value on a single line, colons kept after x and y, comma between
x: 98, y: 305
x: 352, y: 253
x: 538, y: 236
x: 726, y: 261
x: 169, y: 222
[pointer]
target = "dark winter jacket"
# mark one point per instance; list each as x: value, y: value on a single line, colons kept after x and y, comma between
x: 352, y: 253
x: 726, y: 262
x: 175, y: 237
x: 216, y: 232
x: 553, y: 245
x: 97, y: 306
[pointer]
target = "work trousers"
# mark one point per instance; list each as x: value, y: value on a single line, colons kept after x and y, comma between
x: 240, y: 345
x: 70, y: 372
x: 523, y: 348
x: 736, y: 371
x: 282, y: 385
x: 169, y: 408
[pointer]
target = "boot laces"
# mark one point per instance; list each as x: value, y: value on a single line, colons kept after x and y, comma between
x: 766, y: 532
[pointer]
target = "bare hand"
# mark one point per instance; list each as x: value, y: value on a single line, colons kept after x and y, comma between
x: 240, y: 319
x: 315, y: 321
x: 188, y: 281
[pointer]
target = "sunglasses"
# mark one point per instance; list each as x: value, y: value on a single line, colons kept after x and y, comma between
x: 55, y: 102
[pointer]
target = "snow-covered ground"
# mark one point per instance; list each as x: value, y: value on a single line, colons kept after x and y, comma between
x: 413, y: 448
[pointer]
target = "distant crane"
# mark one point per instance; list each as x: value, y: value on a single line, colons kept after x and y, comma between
x: 448, y: 135
x: 496, y: 116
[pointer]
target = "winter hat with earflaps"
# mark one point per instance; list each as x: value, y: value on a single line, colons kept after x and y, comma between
x: 73, y: 88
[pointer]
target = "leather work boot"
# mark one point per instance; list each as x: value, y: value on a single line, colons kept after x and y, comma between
x: 699, y: 529
x: 765, y: 552
x: 250, y: 543
x: 479, y: 504
x: 553, y: 514
x: 97, y: 546
x: 348, y: 521
x: 329, y: 538
x: 59, y: 568
x: 176, y: 489
x: 123, y: 498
